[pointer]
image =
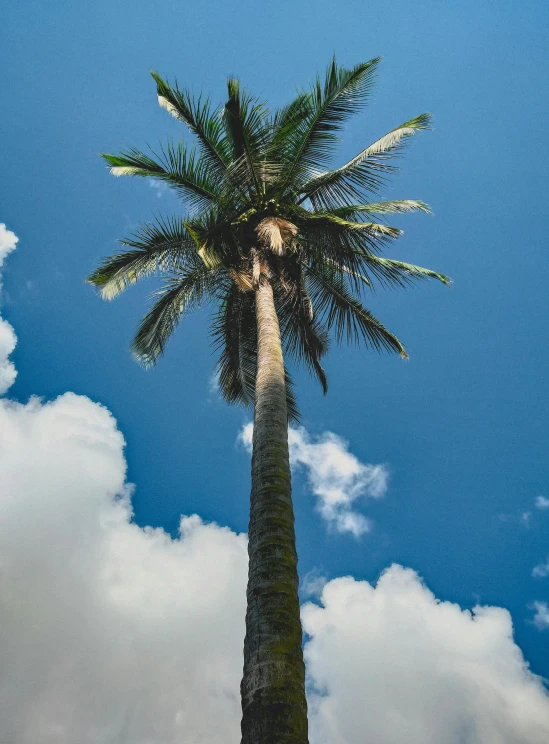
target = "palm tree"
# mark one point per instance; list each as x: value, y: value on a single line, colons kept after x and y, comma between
x: 282, y: 248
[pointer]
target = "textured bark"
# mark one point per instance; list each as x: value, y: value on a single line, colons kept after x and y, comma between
x: 274, y: 708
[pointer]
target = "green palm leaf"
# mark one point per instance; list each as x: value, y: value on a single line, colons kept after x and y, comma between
x: 234, y: 334
x: 198, y: 116
x: 157, y: 246
x: 398, y: 206
x: 184, y: 291
x: 178, y: 167
x: 363, y: 173
x: 325, y: 236
x: 345, y: 314
x: 285, y: 122
x: 372, y: 229
x: 312, y: 137
x: 245, y: 119
x: 389, y: 271
x: 303, y: 337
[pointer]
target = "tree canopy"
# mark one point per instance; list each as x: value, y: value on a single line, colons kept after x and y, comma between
x: 260, y: 199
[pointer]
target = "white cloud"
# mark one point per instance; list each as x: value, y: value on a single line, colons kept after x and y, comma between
x: 115, y: 634
x: 110, y: 633
x: 335, y: 475
x: 541, y: 615
x: 393, y: 665
x: 8, y: 339
x: 542, y: 569
x: 8, y: 242
x: 542, y: 502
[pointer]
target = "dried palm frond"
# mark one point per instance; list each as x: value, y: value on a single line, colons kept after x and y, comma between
x: 276, y: 234
x: 242, y: 279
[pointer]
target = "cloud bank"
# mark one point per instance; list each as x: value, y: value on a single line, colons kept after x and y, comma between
x: 111, y: 633
x: 336, y: 477
x: 114, y: 634
x: 117, y: 634
x: 392, y: 664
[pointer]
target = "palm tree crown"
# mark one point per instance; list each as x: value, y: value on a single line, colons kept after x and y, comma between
x: 261, y: 202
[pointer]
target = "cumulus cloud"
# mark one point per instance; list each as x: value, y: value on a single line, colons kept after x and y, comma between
x: 542, y: 502
x: 8, y: 339
x: 336, y: 477
x: 541, y: 615
x: 392, y: 664
x: 110, y: 633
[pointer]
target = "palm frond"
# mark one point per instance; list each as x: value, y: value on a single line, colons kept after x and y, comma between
x: 245, y: 119
x: 303, y: 337
x: 292, y: 409
x: 200, y: 119
x: 178, y: 167
x: 286, y: 120
x: 157, y: 246
x: 312, y: 138
x: 363, y: 173
x: 398, y: 273
x: 397, y: 206
x: 234, y: 334
x: 371, y: 228
x: 184, y: 291
x: 343, y: 312
x: 327, y: 235
x: 214, y: 236
x: 397, y: 137
x: 357, y: 278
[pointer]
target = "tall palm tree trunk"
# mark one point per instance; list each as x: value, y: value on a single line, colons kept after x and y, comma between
x: 274, y: 707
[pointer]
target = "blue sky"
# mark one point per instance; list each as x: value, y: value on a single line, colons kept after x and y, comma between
x: 461, y: 426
